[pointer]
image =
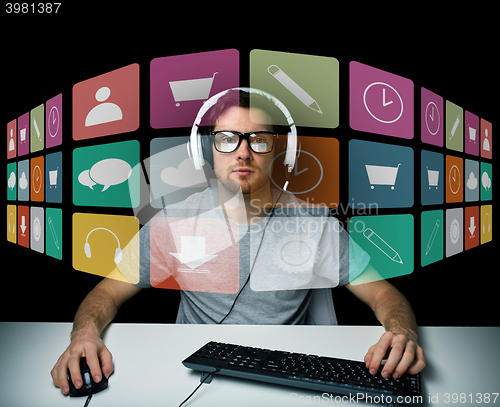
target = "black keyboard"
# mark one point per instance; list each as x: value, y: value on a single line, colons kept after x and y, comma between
x: 318, y: 373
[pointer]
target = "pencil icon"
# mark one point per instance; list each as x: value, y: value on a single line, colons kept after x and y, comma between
x: 382, y: 245
x: 454, y: 128
x: 37, y: 129
x: 294, y: 88
x: 433, y: 236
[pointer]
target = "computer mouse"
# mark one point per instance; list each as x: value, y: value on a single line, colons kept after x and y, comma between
x: 88, y: 382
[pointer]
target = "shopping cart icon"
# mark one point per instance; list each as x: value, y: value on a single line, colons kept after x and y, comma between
x: 191, y: 89
x: 472, y: 134
x: 433, y: 177
x: 53, y: 177
x: 381, y: 175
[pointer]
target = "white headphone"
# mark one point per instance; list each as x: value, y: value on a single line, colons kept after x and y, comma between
x: 194, y: 145
x: 118, y: 251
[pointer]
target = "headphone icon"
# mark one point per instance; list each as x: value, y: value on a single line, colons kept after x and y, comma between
x: 484, y: 222
x: 118, y: 251
x: 194, y: 145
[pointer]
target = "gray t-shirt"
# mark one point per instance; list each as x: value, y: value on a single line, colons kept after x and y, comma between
x: 275, y: 262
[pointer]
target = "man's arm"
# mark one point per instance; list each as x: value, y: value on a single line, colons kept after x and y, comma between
x: 96, y: 311
x: 399, y: 344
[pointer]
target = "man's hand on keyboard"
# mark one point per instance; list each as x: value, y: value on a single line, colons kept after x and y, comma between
x: 402, y: 353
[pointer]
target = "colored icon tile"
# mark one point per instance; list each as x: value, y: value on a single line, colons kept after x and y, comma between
x: 380, y: 102
x: 37, y: 177
x: 37, y: 129
x: 454, y: 128
x: 471, y: 136
x: 454, y: 174
x: 380, y: 175
x: 472, y: 180
x: 486, y: 223
x: 486, y: 181
x: 99, y: 243
x: 11, y: 181
x: 53, y: 177
x: 12, y: 223
x: 172, y: 175
x: 23, y: 134
x: 431, y: 118
x: 189, y: 258
x: 308, y: 85
x: 107, y: 104
x: 432, y: 178
x: 53, y: 121
x: 486, y: 146
x: 472, y: 228
x: 107, y: 175
x: 37, y: 232
x: 431, y: 237
x: 389, y: 240
x: 23, y: 180
x: 23, y: 226
x: 180, y: 84
x: 12, y: 139
x: 54, y: 233
x: 454, y: 231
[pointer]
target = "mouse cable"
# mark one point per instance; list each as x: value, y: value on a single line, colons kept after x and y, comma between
x: 204, y: 377
x: 88, y: 400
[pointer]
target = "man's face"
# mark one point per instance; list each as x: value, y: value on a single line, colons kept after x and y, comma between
x: 243, y: 167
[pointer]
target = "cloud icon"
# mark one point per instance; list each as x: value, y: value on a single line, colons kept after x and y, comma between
x: 486, y: 181
x: 23, y: 182
x: 472, y: 181
x: 184, y: 176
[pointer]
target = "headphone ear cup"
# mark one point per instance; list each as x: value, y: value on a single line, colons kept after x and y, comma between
x: 87, y: 250
x: 292, y: 151
x: 195, y: 151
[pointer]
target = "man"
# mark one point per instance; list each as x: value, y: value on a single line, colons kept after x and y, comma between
x: 243, y: 150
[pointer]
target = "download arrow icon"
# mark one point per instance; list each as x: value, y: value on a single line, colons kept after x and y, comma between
x: 23, y: 224
x: 193, y: 251
x: 472, y: 228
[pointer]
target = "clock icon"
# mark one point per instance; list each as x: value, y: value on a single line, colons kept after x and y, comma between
x: 37, y: 179
x: 383, y: 102
x: 307, y: 173
x: 454, y: 179
x: 432, y: 118
x: 53, y: 121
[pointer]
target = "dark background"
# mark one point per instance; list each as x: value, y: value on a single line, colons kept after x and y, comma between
x: 45, y: 56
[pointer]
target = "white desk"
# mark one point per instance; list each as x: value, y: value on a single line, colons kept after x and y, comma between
x: 148, y: 369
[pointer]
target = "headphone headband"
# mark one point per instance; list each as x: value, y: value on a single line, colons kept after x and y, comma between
x: 194, y: 145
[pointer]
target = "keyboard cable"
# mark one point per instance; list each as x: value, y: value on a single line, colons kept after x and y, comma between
x: 204, y: 378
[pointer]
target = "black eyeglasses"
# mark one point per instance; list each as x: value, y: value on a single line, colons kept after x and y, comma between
x: 227, y: 141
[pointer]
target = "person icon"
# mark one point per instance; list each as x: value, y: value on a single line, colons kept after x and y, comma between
x: 12, y: 144
x: 104, y: 112
x: 486, y: 142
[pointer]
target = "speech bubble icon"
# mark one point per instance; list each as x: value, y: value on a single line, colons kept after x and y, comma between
x: 12, y: 181
x: 111, y: 171
x: 485, y: 179
x: 84, y: 179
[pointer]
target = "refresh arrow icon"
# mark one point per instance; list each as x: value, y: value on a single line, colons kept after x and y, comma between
x: 193, y: 251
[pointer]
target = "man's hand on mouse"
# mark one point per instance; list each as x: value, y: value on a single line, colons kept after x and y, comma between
x: 402, y: 352
x: 83, y: 345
